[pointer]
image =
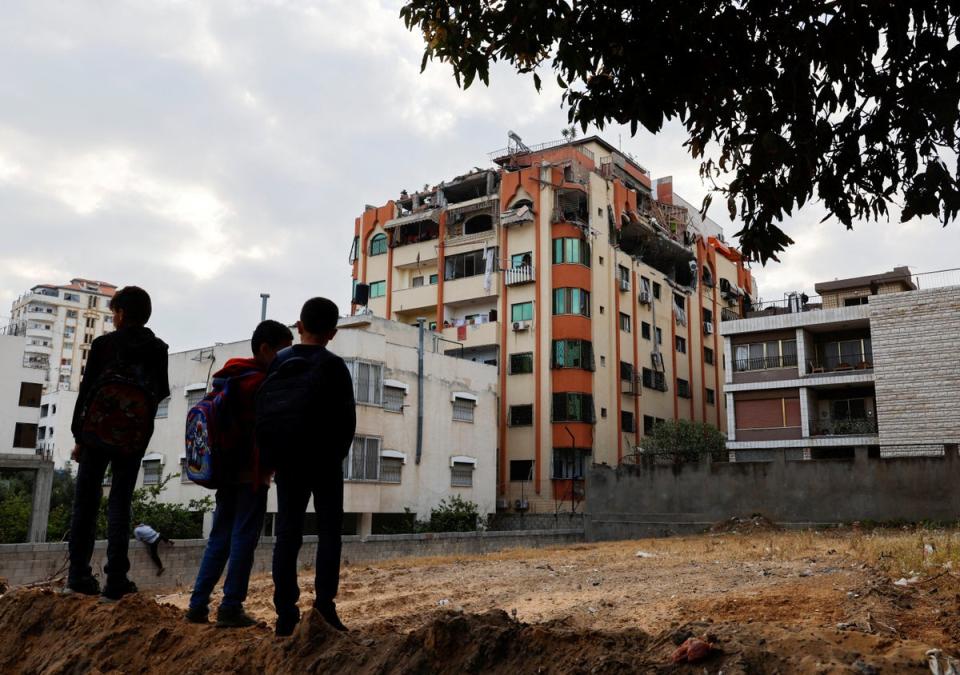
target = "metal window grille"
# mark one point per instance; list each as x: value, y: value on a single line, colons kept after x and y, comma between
x: 163, y: 408
x: 393, y: 399
x: 461, y: 474
x: 463, y: 410
x: 367, y: 381
x: 194, y: 397
x: 391, y: 469
x: 363, y: 460
x: 152, y: 471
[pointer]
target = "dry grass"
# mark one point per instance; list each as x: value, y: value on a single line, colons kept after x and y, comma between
x: 896, y: 551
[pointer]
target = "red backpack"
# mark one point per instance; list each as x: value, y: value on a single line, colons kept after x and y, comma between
x: 118, y: 415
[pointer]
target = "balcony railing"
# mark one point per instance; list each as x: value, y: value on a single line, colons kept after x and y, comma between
x: 844, y: 427
x: 841, y: 363
x: 515, y: 276
x: 728, y: 314
x: 765, y: 362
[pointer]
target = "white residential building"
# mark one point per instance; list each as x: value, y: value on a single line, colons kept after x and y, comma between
x: 59, y: 324
x: 54, y: 437
x: 386, y: 473
x: 21, y: 388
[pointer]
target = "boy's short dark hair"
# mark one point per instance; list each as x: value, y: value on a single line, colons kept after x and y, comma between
x: 135, y: 303
x: 271, y: 333
x: 319, y: 315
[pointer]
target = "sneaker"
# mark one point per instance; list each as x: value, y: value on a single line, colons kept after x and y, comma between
x: 84, y: 586
x: 112, y: 593
x: 328, y: 610
x: 234, y: 617
x: 285, y: 627
x: 197, y: 615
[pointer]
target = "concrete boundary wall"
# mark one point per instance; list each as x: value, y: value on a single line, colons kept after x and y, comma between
x: 643, y: 501
x: 27, y: 563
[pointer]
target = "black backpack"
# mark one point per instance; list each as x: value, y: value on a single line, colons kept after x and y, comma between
x: 288, y: 411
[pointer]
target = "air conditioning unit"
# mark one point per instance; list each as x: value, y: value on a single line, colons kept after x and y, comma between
x: 624, y: 285
x: 520, y: 326
x: 521, y: 505
x: 707, y: 327
x: 644, y: 297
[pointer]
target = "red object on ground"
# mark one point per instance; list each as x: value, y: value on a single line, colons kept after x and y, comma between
x: 691, y: 651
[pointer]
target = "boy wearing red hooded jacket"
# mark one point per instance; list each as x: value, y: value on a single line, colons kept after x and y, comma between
x: 242, y: 495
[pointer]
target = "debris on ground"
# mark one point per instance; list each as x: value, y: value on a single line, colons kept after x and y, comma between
x: 691, y: 651
x: 645, y: 554
x: 735, y: 525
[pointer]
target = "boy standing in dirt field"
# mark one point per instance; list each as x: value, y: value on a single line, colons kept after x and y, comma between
x: 306, y: 418
x: 243, y: 486
x: 124, y: 381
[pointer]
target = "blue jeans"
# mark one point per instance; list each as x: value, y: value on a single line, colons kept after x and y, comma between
x: 86, y: 506
x: 237, y: 522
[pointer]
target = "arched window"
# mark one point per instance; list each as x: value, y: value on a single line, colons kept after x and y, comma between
x: 378, y: 245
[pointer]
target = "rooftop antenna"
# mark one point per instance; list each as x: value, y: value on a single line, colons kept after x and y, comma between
x: 263, y: 306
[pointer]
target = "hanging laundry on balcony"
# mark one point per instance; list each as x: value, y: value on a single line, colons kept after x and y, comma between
x: 490, y: 261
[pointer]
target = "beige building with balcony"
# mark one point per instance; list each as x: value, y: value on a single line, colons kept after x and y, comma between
x: 389, y: 470
x: 596, y: 291
x: 871, y: 363
x: 59, y: 324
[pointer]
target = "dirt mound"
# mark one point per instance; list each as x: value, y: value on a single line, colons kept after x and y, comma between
x: 48, y: 633
x: 755, y: 523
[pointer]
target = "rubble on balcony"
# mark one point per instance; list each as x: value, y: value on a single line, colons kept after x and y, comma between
x: 516, y: 216
x: 571, y: 206
x: 657, y: 234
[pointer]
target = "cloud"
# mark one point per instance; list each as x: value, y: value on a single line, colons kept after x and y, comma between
x: 213, y: 150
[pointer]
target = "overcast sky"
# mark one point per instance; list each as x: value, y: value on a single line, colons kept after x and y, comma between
x: 211, y: 151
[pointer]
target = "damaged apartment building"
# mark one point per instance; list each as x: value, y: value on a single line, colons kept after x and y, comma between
x: 595, y: 290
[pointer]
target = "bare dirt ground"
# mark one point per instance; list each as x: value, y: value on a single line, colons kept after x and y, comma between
x: 771, y: 602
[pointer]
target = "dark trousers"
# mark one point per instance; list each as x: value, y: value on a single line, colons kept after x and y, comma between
x: 155, y: 554
x: 86, y: 506
x: 237, y: 522
x: 293, y: 494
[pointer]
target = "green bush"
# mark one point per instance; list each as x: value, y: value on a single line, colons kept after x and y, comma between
x: 454, y: 515
x: 685, y: 441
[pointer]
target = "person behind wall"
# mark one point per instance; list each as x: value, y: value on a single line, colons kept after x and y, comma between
x: 242, y: 494
x: 306, y: 418
x: 151, y: 539
x: 124, y: 381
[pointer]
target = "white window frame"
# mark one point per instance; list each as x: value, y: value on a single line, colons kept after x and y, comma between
x: 374, y: 393
x: 390, y: 389
x: 153, y: 460
x: 464, y: 407
x: 352, y: 461
x: 462, y: 469
x: 163, y: 408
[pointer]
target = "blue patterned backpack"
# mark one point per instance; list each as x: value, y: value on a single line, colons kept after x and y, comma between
x: 211, y: 430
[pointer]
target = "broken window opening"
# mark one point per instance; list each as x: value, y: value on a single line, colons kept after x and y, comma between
x: 481, y: 222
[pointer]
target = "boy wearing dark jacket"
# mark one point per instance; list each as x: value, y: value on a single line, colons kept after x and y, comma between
x: 242, y: 495
x: 314, y: 469
x: 136, y: 346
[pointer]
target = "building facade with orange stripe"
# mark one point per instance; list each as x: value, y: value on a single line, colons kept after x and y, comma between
x: 597, y: 292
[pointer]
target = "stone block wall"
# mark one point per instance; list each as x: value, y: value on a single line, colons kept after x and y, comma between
x: 917, y: 365
x: 28, y: 563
